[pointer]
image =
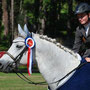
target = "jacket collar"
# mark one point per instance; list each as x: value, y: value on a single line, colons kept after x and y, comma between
x: 81, y: 27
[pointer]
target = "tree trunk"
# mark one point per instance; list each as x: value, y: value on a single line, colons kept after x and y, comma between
x: 41, y: 26
x: 69, y: 25
x: 70, y: 16
x: 41, y: 31
x: 12, y: 18
x: 0, y: 18
x: 5, y: 16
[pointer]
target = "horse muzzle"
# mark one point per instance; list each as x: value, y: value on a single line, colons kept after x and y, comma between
x: 7, y: 67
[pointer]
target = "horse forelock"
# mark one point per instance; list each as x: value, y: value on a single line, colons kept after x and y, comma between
x: 44, y: 37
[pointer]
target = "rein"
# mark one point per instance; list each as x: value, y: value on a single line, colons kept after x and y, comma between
x: 20, y: 74
x: 78, y: 67
x: 23, y: 77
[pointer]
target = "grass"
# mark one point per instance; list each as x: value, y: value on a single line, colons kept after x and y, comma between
x: 11, y: 81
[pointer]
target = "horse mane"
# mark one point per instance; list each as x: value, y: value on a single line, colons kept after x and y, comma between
x: 45, y: 37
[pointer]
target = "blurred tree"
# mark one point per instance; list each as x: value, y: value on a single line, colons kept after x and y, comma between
x: 0, y: 13
x: 12, y: 18
x: 0, y: 18
x: 70, y: 17
x: 5, y: 16
x: 51, y: 17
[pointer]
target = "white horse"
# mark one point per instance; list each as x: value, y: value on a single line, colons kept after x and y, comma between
x: 54, y: 60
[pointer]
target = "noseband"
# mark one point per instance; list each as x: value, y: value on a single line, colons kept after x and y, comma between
x: 17, y: 58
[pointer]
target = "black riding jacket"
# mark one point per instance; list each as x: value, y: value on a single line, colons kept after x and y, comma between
x: 82, y: 42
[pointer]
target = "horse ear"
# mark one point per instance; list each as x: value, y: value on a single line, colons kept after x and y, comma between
x: 21, y: 32
x: 26, y: 30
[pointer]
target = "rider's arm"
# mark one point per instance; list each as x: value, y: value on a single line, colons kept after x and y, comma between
x: 77, y: 42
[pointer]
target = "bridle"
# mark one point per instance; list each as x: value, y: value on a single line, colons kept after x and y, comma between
x: 23, y: 77
x: 19, y: 73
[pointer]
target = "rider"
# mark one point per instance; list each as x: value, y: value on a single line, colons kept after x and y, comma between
x: 82, y: 35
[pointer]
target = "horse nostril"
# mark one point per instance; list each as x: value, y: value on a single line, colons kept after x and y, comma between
x: 1, y: 66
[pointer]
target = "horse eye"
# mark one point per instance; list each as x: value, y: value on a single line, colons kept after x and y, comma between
x: 18, y: 46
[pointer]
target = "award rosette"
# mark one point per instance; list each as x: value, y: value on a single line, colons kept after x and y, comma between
x: 30, y: 43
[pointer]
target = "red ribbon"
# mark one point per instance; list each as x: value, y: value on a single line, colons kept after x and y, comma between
x: 29, y: 57
x: 28, y: 60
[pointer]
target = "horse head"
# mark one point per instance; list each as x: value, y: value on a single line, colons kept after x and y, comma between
x: 16, y: 51
x: 53, y: 59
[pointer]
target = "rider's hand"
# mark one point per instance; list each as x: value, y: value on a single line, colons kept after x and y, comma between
x: 87, y: 59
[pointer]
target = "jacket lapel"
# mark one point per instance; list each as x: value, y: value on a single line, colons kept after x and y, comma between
x: 83, y: 32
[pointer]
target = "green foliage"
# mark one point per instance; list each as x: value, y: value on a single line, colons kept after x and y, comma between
x: 4, y: 40
x: 32, y: 18
x: 53, y: 12
x: 1, y: 32
x: 29, y: 2
x: 64, y: 8
x: 46, y: 1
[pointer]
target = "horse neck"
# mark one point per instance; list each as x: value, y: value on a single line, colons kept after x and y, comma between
x: 53, y: 62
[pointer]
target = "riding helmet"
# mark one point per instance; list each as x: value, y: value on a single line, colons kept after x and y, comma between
x: 82, y: 8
